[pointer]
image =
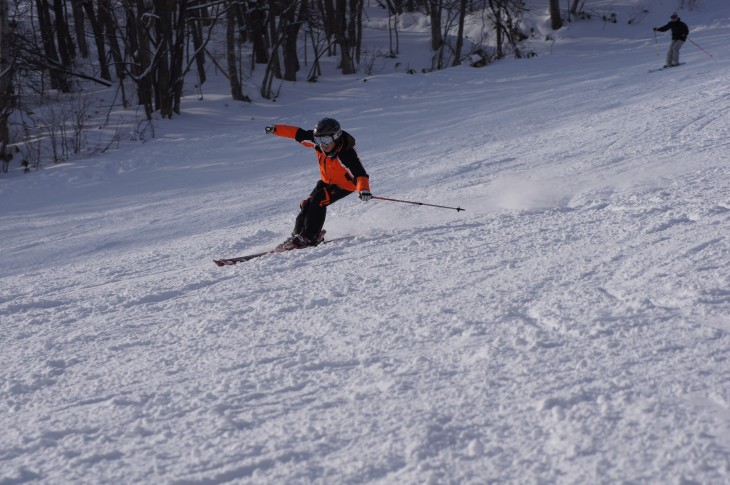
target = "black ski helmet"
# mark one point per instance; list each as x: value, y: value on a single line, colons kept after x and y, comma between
x: 328, y: 126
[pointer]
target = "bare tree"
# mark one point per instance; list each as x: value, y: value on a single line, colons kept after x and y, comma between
x: 277, y: 33
x: 295, y: 13
x: 574, y: 6
x: 393, y: 50
x: 138, y: 44
x: 435, y: 8
x: 50, y: 51
x: 496, y: 8
x: 155, y: 43
x: 168, y: 53
x: 506, y: 16
x: 66, y: 48
x: 198, y: 18
x: 341, y: 37
x: 341, y: 21
x: 6, y: 74
x: 108, y: 20
x: 463, y: 4
x: 236, y: 88
x: 355, y: 28
x: 252, y: 20
x: 80, y: 29
x: 555, y: 21
x: 98, y: 29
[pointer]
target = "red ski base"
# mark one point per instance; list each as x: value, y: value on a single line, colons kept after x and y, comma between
x: 249, y: 257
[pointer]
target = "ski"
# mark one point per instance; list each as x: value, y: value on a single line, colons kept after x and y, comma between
x: 666, y: 67
x: 249, y: 257
x: 240, y: 259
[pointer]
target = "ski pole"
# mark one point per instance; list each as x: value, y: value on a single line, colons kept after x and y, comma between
x: 700, y: 48
x: 457, y: 209
x: 656, y: 44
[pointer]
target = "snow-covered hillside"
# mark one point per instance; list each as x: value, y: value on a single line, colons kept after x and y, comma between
x: 571, y: 326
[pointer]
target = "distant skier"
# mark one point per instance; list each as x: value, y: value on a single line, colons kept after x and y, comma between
x: 680, y: 31
x: 341, y: 174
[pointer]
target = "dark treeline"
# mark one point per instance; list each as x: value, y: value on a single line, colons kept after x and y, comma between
x: 148, y: 47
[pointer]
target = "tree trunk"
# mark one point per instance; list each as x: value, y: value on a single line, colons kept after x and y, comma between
x: 233, y: 77
x: 65, y: 45
x: 341, y: 37
x: 460, y: 36
x: 177, y: 56
x: 236, y: 88
x: 78, y: 13
x: 329, y: 21
x: 98, y: 30
x: 255, y: 20
x: 356, y: 23
x: 435, y: 15
x: 496, y: 9
x: 6, y: 98
x: 108, y: 25
x: 295, y: 20
x: 196, y: 28
x: 58, y: 79
x: 138, y: 46
x: 555, y: 21
x: 574, y: 7
x: 276, y: 38
x: 161, y: 69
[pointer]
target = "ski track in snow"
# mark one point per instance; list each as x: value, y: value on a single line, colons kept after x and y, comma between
x: 571, y: 326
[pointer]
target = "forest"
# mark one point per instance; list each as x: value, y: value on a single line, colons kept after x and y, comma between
x: 52, y: 50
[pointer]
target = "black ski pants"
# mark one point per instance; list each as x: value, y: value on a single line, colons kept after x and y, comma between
x: 314, y: 208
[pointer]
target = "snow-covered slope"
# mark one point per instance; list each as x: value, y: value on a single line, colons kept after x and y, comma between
x: 571, y: 326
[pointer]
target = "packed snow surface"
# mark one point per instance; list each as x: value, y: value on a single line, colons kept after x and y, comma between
x: 570, y: 326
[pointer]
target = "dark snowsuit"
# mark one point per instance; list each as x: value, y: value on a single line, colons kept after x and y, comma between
x: 341, y: 174
x: 680, y: 31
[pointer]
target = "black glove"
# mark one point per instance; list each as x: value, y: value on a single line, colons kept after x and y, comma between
x: 365, y: 195
x: 270, y: 130
x: 654, y: 29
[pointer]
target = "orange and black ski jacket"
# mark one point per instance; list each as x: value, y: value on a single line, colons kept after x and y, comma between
x: 343, y: 168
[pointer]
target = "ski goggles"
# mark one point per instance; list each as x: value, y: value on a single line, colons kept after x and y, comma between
x: 325, y: 140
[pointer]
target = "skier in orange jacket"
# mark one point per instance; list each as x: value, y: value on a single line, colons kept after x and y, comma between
x: 341, y: 174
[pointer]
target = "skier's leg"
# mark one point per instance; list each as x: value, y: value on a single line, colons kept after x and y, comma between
x: 676, y: 45
x: 670, y: 55
x: 316, y: 210
x: 304, y: 208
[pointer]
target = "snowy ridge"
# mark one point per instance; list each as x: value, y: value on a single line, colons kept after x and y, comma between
x: 571, y: 326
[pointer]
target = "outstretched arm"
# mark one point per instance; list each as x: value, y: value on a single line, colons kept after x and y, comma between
x: 295, y: 133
